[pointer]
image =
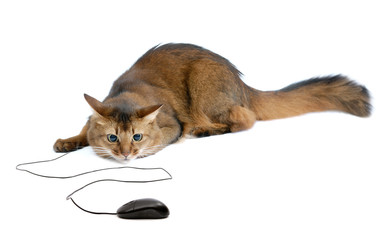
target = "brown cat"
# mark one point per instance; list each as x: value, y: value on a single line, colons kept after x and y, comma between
x: 176, y: 90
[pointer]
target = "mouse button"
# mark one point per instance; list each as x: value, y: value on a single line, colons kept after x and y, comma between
x: 146, y: 203
x: 128, y: 207
x: 152, y: 207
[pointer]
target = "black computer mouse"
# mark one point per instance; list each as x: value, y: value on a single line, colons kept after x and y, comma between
x: 146, y: 208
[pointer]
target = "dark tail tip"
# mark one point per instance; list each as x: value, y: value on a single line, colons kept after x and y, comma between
x: 367, y: 107
x: 358, y: 101
x: 346, y: 94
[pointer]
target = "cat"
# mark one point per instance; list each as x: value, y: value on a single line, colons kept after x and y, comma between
x: 177, y: 90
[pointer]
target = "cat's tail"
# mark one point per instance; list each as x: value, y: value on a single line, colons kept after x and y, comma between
x: 336, y: 93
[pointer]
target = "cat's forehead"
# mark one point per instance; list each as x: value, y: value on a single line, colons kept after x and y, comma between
x: 121, y: 117
x: 125, y: 121
x: 118, y: 122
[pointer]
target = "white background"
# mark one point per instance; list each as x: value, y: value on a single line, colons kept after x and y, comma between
x: 316, y: 176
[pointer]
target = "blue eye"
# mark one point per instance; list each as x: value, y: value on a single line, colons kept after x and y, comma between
x: 137, y: 137
x: 112, y: 138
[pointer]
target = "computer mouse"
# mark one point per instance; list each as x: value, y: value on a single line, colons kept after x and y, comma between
x: 146, y: 208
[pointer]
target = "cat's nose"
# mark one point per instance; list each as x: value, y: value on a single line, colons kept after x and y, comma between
x: 125, y: 154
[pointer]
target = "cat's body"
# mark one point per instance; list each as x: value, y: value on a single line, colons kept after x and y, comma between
x: 176, y: 90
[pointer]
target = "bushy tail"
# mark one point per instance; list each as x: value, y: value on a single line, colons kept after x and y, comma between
x: 336, y: 93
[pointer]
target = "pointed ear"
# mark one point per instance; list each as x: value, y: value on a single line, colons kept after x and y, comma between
x: 149, y: 113
x: 97, y: 106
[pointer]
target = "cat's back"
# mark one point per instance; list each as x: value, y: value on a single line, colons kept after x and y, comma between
x: 166, y: 71
x: 175, y: 53
x: 172, y: 63
x: 163, y: 66
x: 172, y: 51
x: 178, y: 60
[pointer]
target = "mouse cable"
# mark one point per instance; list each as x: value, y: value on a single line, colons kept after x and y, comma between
x: 69, y: 197
x: 83, y: 173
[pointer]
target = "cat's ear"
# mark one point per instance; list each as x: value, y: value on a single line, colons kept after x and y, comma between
x: 149, y: 113
x: 97, y: 106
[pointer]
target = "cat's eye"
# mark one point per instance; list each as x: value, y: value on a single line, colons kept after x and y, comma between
x: 137, y: 137
x: 112, y: 138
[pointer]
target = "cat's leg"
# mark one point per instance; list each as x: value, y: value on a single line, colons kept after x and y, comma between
x: 73, y: 143
x: 206, y: 131
x: 237, y: 119
x: 218, y: 103
x: 170, y: 128
x: 241, y: 118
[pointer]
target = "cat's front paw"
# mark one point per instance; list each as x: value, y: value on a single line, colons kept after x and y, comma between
x: 67, y: 145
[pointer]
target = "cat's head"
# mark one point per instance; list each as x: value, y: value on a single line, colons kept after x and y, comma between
x: 120, y: 132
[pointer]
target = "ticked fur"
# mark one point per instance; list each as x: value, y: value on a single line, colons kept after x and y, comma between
x: 176, y: 90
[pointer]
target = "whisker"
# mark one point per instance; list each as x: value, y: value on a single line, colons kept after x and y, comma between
x: 160, y: 145
x: 100, y: 148
x: 157, y: 147
x: 150, y: 150
x: 102, y: 153
x: 107, y: 156
x: 147, y: 151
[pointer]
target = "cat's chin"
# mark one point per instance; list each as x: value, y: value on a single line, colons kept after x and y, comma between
x: 107, y: 154
x: 123, y: 159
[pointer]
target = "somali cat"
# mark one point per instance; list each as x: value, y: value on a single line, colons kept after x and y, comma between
x: 176, y: 90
